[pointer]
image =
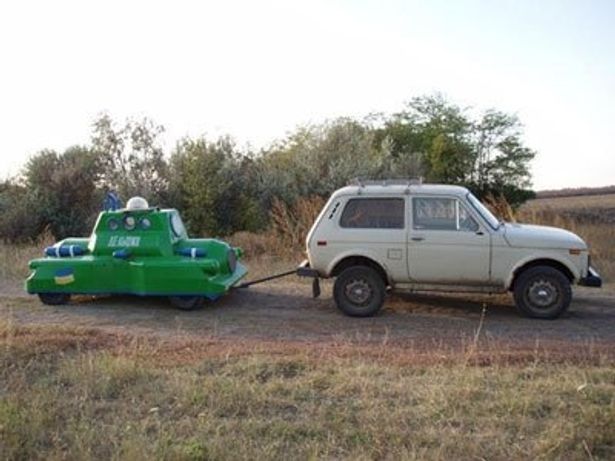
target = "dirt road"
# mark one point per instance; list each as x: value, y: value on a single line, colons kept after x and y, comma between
x: 285, y: 311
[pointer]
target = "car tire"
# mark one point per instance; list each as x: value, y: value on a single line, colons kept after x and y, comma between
x: 359, y: 291
x: 542, y: 292
x: 186, y: 303
x: 54, y: 299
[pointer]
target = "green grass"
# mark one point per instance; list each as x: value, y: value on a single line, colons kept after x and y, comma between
x: 70, y: 394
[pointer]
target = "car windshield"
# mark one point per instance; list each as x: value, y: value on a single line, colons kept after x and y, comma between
x: 484, y: 211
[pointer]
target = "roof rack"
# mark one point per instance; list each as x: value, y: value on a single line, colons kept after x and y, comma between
x: 385, y: 182
x: 361, y: 183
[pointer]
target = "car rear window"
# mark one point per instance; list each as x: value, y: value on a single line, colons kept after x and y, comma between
x: 373, y: 213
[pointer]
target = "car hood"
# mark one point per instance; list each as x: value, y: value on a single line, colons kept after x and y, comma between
x: 531, y: 236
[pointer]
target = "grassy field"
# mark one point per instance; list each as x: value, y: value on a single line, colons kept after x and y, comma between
x: 69, y: 392
x: 575, y: 203
x: 591, y: 217
x: 83, y: 394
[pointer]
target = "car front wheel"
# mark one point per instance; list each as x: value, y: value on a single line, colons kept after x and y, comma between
x: 359, y: 291
x: 542, y: 292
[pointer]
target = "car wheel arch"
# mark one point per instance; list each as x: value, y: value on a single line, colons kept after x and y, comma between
x: 358, y: 260
x: 549, y: 262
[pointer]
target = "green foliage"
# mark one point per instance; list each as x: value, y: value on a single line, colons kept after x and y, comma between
x: 316, y: 160
x: 484, y: 153
x: 56, y: 192
x: 18, y: 222
x: 66, y: 185
x: 221, y: 189
x: 208, y: 185
x: 132, y: 158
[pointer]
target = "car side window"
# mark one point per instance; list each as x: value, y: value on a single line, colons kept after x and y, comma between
x: 435, y: 213
x: 466, y: 222
x: 373, y: 213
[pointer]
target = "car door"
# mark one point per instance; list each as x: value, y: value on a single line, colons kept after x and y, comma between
x: 446, y: 243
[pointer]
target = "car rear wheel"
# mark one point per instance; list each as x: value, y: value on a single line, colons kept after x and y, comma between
x: 186, y: 303
x: 542, y: 292
x: 54, y: 299
x: 359, y: 291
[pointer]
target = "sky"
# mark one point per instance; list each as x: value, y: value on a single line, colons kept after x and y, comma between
x: 258, y: 69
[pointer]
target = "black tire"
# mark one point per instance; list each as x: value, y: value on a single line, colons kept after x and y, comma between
x: 359, y: 291
x: 542, y: 292
x: 186, y: 303
x: 54, y: 299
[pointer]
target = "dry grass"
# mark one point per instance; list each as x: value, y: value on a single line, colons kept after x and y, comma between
x: 14, y: 257
x: 91, y: 396
x: 289, y: 228
x: 591, y: 217
x: 500, y: 207
x: 84, y: 393
x: 575, y: 202
x: 292, y: 224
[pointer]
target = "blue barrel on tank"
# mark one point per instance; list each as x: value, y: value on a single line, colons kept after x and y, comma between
x: 191, y: 252
x: 64, y: 251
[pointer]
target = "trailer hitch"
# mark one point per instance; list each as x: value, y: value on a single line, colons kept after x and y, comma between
x: 266, y: 279
x: 301, y: 271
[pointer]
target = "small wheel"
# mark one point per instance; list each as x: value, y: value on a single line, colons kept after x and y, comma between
x: 186, y: 303
x: 54, y: 299
x: 542, y: 292
x: 359, y: 291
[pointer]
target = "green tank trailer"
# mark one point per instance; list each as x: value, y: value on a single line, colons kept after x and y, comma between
x: 140, y: 251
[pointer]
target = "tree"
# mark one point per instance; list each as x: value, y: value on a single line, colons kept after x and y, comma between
x: 486, y: 154
x: 62, y: 190
x: 502, y: 161
x: 316, y: 160
x: 207, y: 182
x: 132, y: 158
x: 221, y: 189
x: 18, y: 220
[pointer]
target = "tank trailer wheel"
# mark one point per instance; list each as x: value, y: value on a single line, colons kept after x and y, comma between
x: 186, y: 303
x: 54, y: 299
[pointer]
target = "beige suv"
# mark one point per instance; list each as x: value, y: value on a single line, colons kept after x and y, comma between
x: 409, y: 236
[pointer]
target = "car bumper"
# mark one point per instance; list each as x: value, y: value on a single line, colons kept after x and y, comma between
x: 592, y: 279
x: 304, y: 270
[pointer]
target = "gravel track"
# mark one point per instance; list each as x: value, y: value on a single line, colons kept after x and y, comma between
x: 285, y: 311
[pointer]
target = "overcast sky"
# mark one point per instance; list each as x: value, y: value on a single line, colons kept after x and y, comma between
x: 257, y: 69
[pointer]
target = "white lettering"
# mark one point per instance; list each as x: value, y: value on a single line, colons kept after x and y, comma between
x: 116, y: 241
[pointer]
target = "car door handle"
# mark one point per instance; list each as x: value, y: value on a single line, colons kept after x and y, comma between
x: 417, y: 239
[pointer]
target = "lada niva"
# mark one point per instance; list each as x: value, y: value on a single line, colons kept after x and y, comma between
x: 404, y: 235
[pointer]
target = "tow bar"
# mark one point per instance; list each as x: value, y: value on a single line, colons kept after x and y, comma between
x: 303, y: 270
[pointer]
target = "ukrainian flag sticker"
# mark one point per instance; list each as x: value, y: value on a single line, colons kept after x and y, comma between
x: 64, y: 276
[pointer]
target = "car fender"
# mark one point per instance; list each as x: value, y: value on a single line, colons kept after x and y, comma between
x: 541, y: 255
x: 355, y: 253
